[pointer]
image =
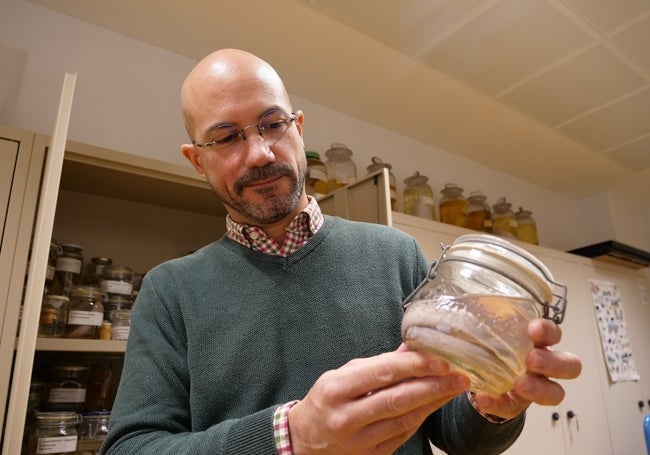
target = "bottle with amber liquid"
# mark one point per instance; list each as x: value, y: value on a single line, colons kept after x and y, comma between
x: 418, y: 197
x: 504, y: 223
x: 479, y: 214
x: 526, y: 227
x: 341, y: 170
x: 453, y: 205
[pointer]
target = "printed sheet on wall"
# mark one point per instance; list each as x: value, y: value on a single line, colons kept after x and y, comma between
x: 608, y: 306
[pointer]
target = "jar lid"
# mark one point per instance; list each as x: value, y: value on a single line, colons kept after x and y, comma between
x: 502, y: 205
x: 377, y: 164
x: 101, y: 260
x: 476, y: 195
x: 451, y: 189
x: 416, y: 179
x: 515, y: 263
x: 60, y: 416
x: 87, y: 292
x: 312, y: 154
x: 71, y: 246
x: 118, y: 271
x: 339, y: 150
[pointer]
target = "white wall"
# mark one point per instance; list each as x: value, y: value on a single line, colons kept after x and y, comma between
x: 127, y: 99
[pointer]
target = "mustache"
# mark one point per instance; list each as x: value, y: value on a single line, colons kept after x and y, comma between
x: 259, y: 174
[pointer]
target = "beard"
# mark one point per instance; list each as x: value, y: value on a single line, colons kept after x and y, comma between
x: 276, y: 206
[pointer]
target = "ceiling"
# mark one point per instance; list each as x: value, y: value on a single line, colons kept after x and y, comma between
x: 556, y: 92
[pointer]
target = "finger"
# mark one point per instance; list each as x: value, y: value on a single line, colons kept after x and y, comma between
x: 544, y: 332
x: 508, y: 405
x: 360, y: 376
x: 554, y: 364
x: 539, y: 389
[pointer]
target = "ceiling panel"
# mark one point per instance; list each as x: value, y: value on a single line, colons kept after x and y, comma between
x: 635, y: 155
x: 608, y: 14
x: 509, y: 42
x: 630, y: 116
x: 635, y: 40
x: 581, y: 84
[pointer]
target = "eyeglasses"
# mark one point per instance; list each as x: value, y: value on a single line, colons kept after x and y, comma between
x: 271, y: 128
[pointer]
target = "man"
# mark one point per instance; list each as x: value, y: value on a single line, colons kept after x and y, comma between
x: 284, y: 335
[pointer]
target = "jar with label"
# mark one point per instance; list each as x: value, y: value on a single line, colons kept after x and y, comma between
x: 137, y: 284
x: 316, y: 179
x: 68, y: 388
x: 50, y: 274
x: 85, y: 313
x: 95, y: 269
x: 69, y: 264
x: 121, y: 325
x: 117, y: 279
x: 116, y: 302
x: 474, y: 307
x: 479, y: 214
x: 54, y: 315
x: 526, y: 227
x: 341, y: 170
x: 378, y: 164
x: 418, y: 197
x: 504, y: 223
x: 54, y: 433
x: 453, y: 205
x: 93, y: 429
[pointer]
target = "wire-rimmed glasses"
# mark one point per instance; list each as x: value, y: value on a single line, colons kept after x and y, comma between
x: 271, y: 127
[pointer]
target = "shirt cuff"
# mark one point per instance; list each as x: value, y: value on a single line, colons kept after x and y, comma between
x: 489, y: 417
x: 281, y: 428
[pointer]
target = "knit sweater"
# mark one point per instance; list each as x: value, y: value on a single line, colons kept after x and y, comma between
x: 222, y: 337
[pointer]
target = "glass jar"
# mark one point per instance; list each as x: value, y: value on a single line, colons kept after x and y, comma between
x: 453, y: 206
x: 479, y: 214
x: 316, y: 179
x: 121, y: 325
x: 116, y: 302
x: 137, y: 284
x: 418, y: 197
x: 54, y: 315
x: 474, y: 307
x: 69, y: 264
x: 526, y: 227
x: 54, y: 433
x: 95, y: 269
x: 85, y: 313
x: 68, y: 388
x: 504, y: 223
x: 378, y: 164
x: 100, y: 387
x: 93, y: 429
x: 117, y: 279
x: 341, y: 170
x: 50, y: 273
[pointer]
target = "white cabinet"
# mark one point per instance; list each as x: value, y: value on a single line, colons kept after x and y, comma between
x: 138, y: 211
x: 596, y: 417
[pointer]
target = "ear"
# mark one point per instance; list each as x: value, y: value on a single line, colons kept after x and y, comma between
x: 192, y: 155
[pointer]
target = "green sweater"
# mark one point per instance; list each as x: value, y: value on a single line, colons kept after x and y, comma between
x: 221, y: 337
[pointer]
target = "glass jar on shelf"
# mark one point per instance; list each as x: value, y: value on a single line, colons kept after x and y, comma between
x: 68, y: 388
x: 341, y: 170
x: 54, y: 433
x: 93, y: 429
x: 316, y: 179
x: 453, y: 205
x: 69, y: 264
x: 378, y: 164
x: 121, y: 325
x: 54, y: 315
x: 418, y: 197
x: 526, y: 227
x: 117, y: 279
x: 504, y: 223
x: 95, y: 269
x: 85, y: 313
x: 479, y: 214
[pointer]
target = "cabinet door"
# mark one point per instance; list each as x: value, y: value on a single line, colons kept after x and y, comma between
x: 18, y: 188
x: 624, y: 415
x: 22, y: 370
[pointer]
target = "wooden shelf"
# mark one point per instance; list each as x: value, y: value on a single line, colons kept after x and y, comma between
x: 72, y: 345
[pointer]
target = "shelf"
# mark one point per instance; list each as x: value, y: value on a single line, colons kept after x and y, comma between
x: 71, y: 345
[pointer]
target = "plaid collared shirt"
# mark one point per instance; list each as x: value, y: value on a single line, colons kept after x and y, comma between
x: 301, y: 229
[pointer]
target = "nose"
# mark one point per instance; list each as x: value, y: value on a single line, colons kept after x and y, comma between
x: 258, y: 153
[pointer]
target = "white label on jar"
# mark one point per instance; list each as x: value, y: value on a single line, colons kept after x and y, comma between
x: 64, y: 264
x: 318, y: 174
x: 428, y: 200
x: 116, y: 287
x: 58, y: 444
x: 50, y: 272
x: 120, y: 333
x: 67, y: 395
x: 76, y: 317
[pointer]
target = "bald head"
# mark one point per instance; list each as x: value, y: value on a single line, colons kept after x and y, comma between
x: 222, y: 77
